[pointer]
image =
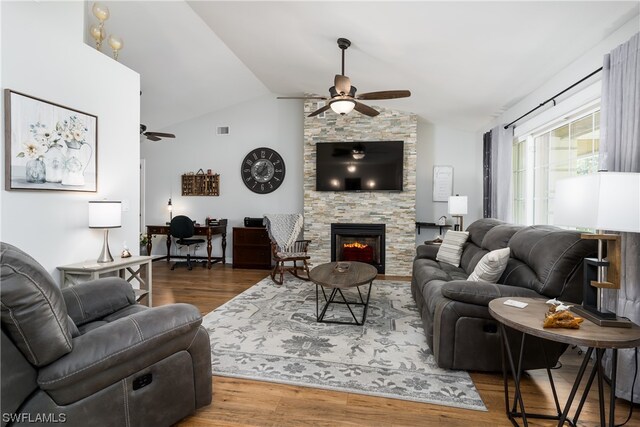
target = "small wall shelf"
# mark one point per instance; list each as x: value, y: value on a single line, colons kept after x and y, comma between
x: 200, y: 184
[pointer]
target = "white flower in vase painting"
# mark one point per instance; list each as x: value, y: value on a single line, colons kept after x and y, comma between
x: 32, y: 150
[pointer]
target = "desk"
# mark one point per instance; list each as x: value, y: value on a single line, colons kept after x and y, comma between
x: 528, y: 321
x: 200, y: 230
x: 73, y: 274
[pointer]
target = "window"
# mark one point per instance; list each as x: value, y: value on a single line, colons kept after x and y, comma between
x: 542, y: 158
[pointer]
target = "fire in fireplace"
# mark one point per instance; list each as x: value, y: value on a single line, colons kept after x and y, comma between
x: 357, y: 251
x: 359, y: 242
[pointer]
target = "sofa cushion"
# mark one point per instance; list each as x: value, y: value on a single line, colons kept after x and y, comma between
x: 491, y: 266
x: 482, y: 293
x: 471, y: 254
x: 33, y: 311
x: 554, y: 257
x: 478, y: 229
x: 498, y: 237
x: 451, y: 247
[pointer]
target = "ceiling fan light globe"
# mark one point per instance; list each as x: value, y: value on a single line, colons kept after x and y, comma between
x: 343, y: 106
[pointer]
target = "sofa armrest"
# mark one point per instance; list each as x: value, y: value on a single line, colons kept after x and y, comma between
x: 427, y: 251
x: 96, y: 299
x: 481, y: 293
x: 107, y: 354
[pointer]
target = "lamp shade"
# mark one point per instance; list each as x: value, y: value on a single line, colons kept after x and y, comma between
x: 457, y: 205
x: 603, y: 201
x: 343, y: 106
x: 105, y: 214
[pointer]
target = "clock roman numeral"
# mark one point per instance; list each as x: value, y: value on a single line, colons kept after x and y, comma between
x: 276, y: 178
x: 255, y: 156
x: 249, y: 162
x: 246, y: 170
x: 262, y: 154
x: 276, y: 162
x: 270, y: 156
x: 278, y: 170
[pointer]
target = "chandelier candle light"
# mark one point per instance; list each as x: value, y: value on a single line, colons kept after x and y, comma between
x: 101, y: 12
x: 105, y: 214
x: 600, y: 201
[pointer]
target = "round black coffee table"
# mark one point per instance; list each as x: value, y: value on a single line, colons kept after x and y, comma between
x: 339, y: 276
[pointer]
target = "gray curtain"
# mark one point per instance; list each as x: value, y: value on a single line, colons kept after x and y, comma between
x: 501, y: 171
x: 486, y: 175
x: 620, y: 152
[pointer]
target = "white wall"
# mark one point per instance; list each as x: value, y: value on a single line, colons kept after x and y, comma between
x: 263, y: 122
x: 43, y: 55
x: 445, y: 146
x: 581, y: 67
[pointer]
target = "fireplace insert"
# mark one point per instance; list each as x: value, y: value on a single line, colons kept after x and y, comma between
x: 359, y: 242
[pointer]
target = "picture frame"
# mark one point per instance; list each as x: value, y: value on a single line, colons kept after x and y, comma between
x: 49, y: 146
x: 442, y: 183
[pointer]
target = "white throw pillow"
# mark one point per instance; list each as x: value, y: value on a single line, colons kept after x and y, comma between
x: 491, y: 266
x: 451, y: 248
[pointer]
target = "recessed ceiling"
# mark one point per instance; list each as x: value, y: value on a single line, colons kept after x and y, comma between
x: 464, y: 62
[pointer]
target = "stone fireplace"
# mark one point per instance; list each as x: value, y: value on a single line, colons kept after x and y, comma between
x: 359, y: 242
x: 396, y: 210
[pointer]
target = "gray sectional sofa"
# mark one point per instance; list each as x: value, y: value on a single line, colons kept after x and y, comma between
x: 545, y: 261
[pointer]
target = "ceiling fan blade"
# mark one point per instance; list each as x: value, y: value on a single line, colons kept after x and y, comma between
x: 365, y: 109
x: 342, y: 84
x: 142, y: 128
x: 152, y: 138
x: 320, y: 110
x: 301, y: 97
x: 160, y: 134
x: 385, y: 94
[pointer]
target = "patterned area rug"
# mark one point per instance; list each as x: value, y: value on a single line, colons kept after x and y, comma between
x: 270, y: 333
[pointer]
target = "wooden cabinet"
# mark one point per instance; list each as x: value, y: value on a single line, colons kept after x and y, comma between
x: 251, y: 248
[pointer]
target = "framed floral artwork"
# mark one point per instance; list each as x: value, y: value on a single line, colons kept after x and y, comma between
x: 49, y: 146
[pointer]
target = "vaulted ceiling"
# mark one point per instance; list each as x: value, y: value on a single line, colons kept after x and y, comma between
x: 464, y: 62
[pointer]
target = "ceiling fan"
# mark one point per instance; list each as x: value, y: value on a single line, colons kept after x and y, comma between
x: 154, y: 136
x: 342, y: 95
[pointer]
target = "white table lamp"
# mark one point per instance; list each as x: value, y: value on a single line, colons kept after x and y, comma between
x: 458, y: 208
x: 105, y: 214
x: 601, y: 201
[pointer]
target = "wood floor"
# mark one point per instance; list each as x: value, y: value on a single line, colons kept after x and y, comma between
x: 254, y: 403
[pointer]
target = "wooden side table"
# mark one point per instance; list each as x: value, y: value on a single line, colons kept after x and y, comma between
x: 528, y: 321
x: 73, y: 274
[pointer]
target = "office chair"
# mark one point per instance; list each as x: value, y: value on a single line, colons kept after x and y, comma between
x: 182, y: 228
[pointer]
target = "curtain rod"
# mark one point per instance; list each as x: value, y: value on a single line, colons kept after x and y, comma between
x: 553, y: 98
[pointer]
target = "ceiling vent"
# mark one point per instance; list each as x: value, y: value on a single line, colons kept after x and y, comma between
x: 222, y: 130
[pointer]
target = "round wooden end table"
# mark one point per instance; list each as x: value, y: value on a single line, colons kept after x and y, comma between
x: 339, y: 276
x: 529, y: 321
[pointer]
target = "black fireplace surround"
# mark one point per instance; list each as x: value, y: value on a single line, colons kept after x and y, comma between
x: 370, y: 234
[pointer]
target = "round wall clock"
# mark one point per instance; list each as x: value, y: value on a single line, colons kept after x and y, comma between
x: 262, y: 170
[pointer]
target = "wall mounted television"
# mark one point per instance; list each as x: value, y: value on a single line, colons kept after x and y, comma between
x: 359, y: 166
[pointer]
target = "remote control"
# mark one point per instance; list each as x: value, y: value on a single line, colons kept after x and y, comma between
x: 514, y: 303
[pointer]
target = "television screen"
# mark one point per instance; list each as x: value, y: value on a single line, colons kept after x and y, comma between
x: 359, y: 166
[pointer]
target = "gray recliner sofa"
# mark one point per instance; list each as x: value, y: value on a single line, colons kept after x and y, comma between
x: 88, y: 355
x: 545, y: 262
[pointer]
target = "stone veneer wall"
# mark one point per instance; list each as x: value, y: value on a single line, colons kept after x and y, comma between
x: 395, y: 209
